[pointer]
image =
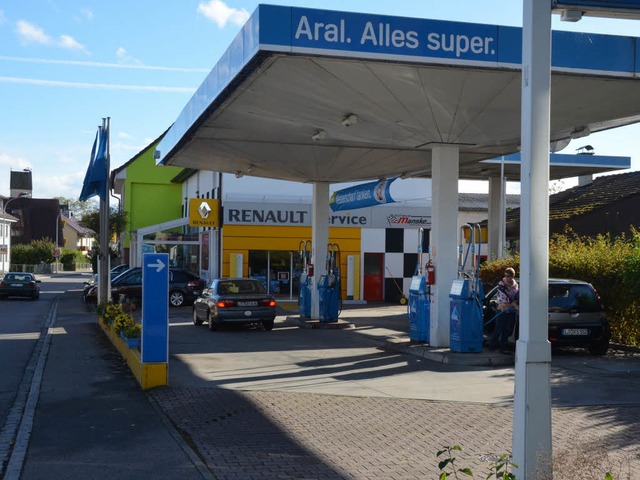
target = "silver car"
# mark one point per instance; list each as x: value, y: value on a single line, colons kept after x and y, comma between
x: 235, y: 301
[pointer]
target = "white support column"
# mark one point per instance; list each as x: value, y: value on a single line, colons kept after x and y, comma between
x: 532, y: 401
x: 444, y: 234
x: 496, y: 217
x: 319, y: 240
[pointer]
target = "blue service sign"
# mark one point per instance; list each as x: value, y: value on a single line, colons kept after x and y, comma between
x: 361, y: 196
x: 155, y: 308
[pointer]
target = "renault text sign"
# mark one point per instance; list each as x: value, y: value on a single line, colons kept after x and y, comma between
x: 203, y: 212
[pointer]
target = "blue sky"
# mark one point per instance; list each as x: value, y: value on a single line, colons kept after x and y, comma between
x: 66, y: 64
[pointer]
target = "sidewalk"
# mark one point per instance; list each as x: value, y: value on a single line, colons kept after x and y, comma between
x: 92, y: 420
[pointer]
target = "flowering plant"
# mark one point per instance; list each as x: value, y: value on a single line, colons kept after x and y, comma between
x: 109, y: 311
x: 132, y: 330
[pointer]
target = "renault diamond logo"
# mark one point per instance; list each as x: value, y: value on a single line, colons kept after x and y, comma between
x: 204, y: 209
x: 204, y: 213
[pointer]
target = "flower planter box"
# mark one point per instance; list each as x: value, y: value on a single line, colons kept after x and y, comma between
x: 131, y: 342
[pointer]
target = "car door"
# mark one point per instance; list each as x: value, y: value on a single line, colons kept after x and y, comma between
x: 129, y: 285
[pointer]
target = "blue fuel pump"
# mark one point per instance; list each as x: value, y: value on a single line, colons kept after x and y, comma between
x: 467, y: 295
x: 329, y: 286
x: 306, y: 279
x: 418, y: 307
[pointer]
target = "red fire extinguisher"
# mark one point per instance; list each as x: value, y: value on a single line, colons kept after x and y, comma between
x: 310, y: 270
x: 431, y: 273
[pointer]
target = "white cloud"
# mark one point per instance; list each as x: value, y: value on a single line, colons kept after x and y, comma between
x: 125, y: 136
x: 84, y: 63
x: 30, y: 33
x: 86, y: 13
x: 221, y: 13
x: 3, y: 18
x: 100, y: 86
x: 125, y: 58
x: 70, y: 43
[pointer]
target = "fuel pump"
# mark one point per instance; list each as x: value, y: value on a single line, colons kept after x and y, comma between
x: 306, y: 278
x: 467, y: 295
x: 418, y: 307
x: 329, y: 286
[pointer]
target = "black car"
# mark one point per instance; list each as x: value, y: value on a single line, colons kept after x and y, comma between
x: 576, y: 316
x: 118, y: 269
x: 235, y: 301
x: 184, y: 287
x: 20, y: 284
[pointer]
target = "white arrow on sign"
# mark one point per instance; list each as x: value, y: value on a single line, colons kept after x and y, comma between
x: 159, y: 266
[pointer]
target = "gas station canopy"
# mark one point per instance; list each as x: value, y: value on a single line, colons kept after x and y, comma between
x: 326, y: 96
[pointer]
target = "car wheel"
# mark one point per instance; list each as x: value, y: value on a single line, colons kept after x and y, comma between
x: 599, y: 348
x: 194, y: 317
x: 212, y: 324
x: 176, y: 298
x: 268, y: 325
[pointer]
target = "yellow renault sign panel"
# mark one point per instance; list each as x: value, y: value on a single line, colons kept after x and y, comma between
x: 203, y: 212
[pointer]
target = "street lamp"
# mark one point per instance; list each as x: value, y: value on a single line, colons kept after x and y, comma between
x: 4, y: 226
x: 55, y: 250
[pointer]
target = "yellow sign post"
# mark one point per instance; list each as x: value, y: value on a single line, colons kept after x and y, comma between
x: 204, y: 212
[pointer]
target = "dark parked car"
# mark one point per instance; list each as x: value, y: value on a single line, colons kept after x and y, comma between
x: 19, y: 284
x: 184, y: 287
x: 235, y: 301
x: 118, y: 269
x: 576, y: 316
x: 88, y: 285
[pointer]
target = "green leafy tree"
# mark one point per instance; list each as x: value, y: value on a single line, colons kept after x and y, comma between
x: 117, y: 222
x: 78, y: 208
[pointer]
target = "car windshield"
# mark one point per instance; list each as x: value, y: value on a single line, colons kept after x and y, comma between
x: 573, y: 297
x: 240, y: 286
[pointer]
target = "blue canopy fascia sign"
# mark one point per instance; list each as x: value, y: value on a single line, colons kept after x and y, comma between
x: 563, y: 159
x: 600, y: 8
x: 386, y: 38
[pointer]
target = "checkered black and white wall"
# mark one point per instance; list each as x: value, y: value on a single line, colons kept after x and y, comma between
x: 400, y: 247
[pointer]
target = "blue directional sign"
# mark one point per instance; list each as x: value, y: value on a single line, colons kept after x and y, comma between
x: 155, y: 308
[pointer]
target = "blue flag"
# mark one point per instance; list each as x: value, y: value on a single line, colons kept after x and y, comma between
x: 95, y: 180
x: 361, y: 196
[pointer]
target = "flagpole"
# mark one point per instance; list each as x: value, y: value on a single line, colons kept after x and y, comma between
x: 104, y: 278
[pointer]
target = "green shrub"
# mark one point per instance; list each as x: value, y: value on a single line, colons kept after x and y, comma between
x: 38, y: 251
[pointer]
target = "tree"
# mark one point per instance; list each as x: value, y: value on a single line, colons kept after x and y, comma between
x: 78, y: 208
x: 117, y: 222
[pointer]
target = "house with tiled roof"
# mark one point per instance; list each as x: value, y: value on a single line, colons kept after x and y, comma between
x: 75, y: 236
x: 608, y: 204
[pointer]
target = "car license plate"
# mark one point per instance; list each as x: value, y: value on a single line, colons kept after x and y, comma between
x: 16, y: 284
x: 575, y: 331
x: 248, y: 304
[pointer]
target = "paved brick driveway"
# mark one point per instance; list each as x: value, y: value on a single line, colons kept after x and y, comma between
x: 263, y: 435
